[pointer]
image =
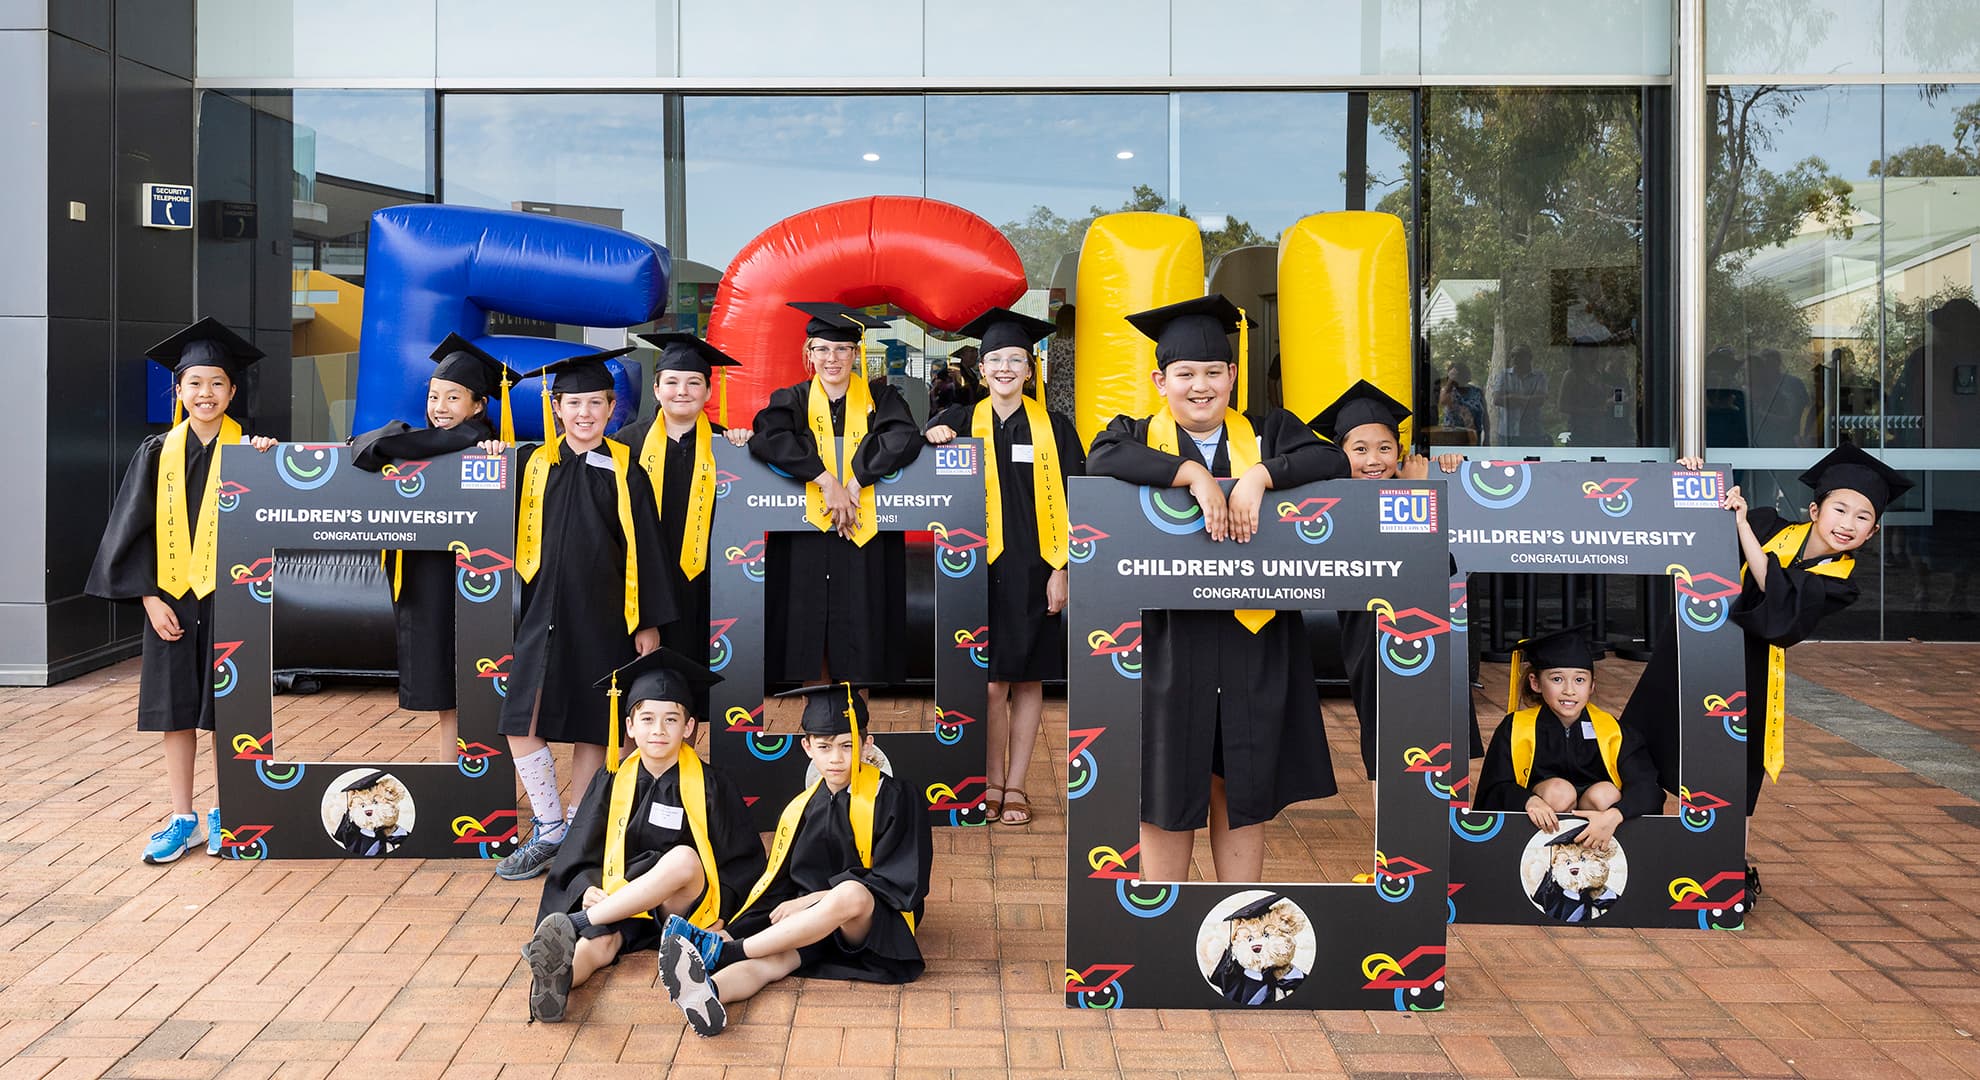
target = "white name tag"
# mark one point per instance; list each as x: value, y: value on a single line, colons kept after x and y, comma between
x: 1588, y: 729
x: 598, y: 460
x: 664, y: 817
x: 1021, y: 452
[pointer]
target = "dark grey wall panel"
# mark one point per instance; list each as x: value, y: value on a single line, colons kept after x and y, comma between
x: 274, y: 397
x: 85, y: 21
x: 158, y: 33
x: 127, y: 375
x: 274, y: 181
x: 154, y: 145
x: 80, y: 636
x: 226, y: 175
x: 24, y: 171
x: 80, y: 471
x: 81, y: 155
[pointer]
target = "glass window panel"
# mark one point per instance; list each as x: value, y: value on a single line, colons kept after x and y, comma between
x: 1794, y: 229
x: 1094, y: 38
x: 1795, y: 37
x: 1533, y: 233
x: 589, y: 157
x: 1931, y: 36
x: 1294, y: 37
x: 1931, y: 549
x: 1546, y: 37
x: 496, y: 38
x: 306, y: 39
x: 778, y: 38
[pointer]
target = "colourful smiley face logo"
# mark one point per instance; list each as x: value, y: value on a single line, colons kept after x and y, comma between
x: 1171, y: 510
x: 1417, y: 980
x: 1611, y: 495
x: 496, y: 671
x: 1082, y: 768
x: 228, y: 495
x: 258, y: 576
x: 1704, y: 601
x: 1143, y: 900
x: 409, y: 477
x: 1309, y: 518
x: 1081, y: 542
x: 478, y: 573
x: 1719, y: 900
x: 749, y: 557
x: 306, y: 466
x: 1730, y: 711
x: 949, y: 725
x: 1097, y: 987
x: 955, y: 549
x: 720, y: 649
x: 962, y: 801
x: 1407, y: 639
x: 1495, y: 485
x: 1122, y: 645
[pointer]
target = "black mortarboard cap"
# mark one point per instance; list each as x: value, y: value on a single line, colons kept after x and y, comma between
x: 836, y: 322
x: 1256, y: 908
x: 206, y: 343
x: 825, y: 708
x: 1196, y: 329
x: 582, y: 374
x: 1569, y: 835
x: 367, y: 780
x: 459, y: 360
x: 1847, y: 467
x: 682, y: 351
x: 1569, y: 648
x: 661, y: 675
x: 1362, y: 403
x: 1001, y: 328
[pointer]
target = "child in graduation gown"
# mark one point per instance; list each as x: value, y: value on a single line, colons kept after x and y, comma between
x: 842, y: 896
x: 1804, y: 579
x: 658, y: 835
x: 1026, y: 484
x: 465, y: 379
x: 1230, y: 717
x: 160, y: 547
x: 585, y: 527
x: 1366, y: 424
x: 846, y: 569
x: 1560, y: 753
x: 676, y: 449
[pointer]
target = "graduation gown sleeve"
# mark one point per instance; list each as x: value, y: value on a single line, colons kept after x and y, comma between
x: 1121, y: 451
x: 399, y: 441
x: 1497, y: 788
x: 126, y: 566
x: 902, y: 853
x: 1641, y: 793
x: 892, y: 441
x: 783, y: 439
x: 1794, y: 601
x: 1292, y: 453
x: 1072, y: 455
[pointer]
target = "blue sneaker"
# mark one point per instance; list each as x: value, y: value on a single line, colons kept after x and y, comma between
x: 533, y: 858
x: 706, y: 942
x: 214, y: 834
x: 180, y: 835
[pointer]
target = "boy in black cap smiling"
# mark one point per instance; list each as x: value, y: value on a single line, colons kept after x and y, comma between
x: 658, y: 836
x: 841, y: 573
x: 465, y: 379
x: 1794, y: 575
x: 584, y: 528
x: 1231, y: 721
x: 847, y: 875
x: 160, y: 546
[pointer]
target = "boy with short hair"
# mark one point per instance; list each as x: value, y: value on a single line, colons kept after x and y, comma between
x: 843, y: 892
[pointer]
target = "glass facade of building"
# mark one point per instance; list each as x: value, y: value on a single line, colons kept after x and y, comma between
x: 1526, y: 147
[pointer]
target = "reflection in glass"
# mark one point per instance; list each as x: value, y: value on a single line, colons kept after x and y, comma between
x: 588, y: 157
x: 1764, y: 37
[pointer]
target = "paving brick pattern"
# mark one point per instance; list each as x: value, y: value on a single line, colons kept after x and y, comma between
x: 1860, y: 961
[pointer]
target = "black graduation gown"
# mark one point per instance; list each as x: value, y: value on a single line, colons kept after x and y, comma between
x: 858, y: 594
x: 1565, y: 752
x: 175, y: 681
x: 1359, y: 658
x: 1212, y: 692
x: 1794, y: 603
x: 688, y: 633
x: 1026, y: 643
x: 822, y: 854
x: 580, y: 862
x: 572, y: 629
x: 425, y: 605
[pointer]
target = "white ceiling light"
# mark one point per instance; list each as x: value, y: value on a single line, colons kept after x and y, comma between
x: 1125, y: 155
x: 869, y: 156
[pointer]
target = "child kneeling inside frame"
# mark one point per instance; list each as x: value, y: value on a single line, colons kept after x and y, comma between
x: 842, y: 896
x: 656, y: 836
x: 1565, y: 755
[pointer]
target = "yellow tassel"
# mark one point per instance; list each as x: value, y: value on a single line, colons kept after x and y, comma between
x: 508, y: 417
x: 1244, y: 368
x: 550, y: 441
x: 612, y: 735
x: 725, y: 397
x: 1512, y: 691
x: 178, y: 407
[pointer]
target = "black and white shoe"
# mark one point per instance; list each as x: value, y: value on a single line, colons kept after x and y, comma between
x: 1752, y: 885
x: 687, y: 982
x: 549, y: 956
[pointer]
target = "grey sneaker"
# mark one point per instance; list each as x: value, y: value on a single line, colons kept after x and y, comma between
x: 686, y: 979
x: 533, y: 858
x: 549, y: 956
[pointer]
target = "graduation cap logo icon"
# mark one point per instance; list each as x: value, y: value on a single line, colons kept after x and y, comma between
x: 225, y: 675
x: 1495, y: 485
x: 258, y: 576
x: 750, y: 557
x: 1729, y: 711
x: 1122, y: 646
x: 742, y: 719
x: 408, y: 476
x: 1460, y: 605
x: 1698, y: 810
x: 249, y: 748
x: 496, y: 671
x: 472, y: 758
x: 478, y: 573
x: 494, y: 835
x: 949, y: 724
x: 1395, y: 876
x: 963, y: 809
x: 977, y: 641
x: 1080, y: 541
x: 1435, y: 766
x: 1082, y: 769
x: 1719, y: 900
x: 1142, y: 900
x: 720, y: 649
x: 276, y: 776
x: 1309, y: 518
x: 1098, y: 986
x: 1612, y: 495
x: 245, y: 842
x: 1704, y: 599
x: 228, y: 495
x: 1417, y: 979
x: 957, y: 548
x: 1460, y: 798
x: 1408, y: 637
x: 307, y: 466
x: 724, y: 480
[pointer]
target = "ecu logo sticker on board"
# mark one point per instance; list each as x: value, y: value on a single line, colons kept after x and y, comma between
x: 1338, y: 545
x: 941, y: 493
x: 307, y: 497
x: 1680, y: 870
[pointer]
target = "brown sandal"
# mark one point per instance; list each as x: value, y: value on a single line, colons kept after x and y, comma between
x: 1021, y: 804
x: 992, y: 808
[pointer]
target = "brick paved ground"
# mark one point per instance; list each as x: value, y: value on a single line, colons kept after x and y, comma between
x: 1860, y: 962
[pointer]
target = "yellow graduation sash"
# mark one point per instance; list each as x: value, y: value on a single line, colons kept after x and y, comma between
x: 818, y: 409
x: 694, y: 802
x: 701, y: 490
x: 1608, y: 736
x: 1785, y: 545
x: 186, y: 550
x: 1048, y: 482
x: 529, y: 523
x: 1241, y: 444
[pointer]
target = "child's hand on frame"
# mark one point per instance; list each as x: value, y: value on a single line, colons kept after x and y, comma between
x: 1541, y: 815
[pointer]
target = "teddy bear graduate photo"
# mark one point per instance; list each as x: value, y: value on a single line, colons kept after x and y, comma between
x: 368, y: 812
x: 1255, y: 947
